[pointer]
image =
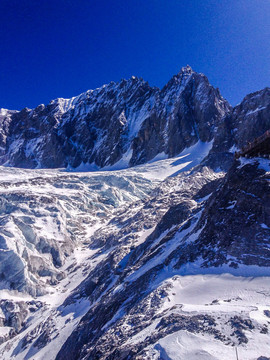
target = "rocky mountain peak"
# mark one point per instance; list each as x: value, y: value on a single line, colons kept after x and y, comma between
x: 131, y: 82
x: 180, y: 80
x: 3, y: 112
x: 186, y: 70
x: 119, y: 124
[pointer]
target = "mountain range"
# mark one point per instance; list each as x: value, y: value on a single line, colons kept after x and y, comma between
x: 129, y: 230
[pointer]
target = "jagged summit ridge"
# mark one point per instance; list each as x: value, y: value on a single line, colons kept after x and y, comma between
x: 187, y: 70
x: 67, y: 103
x: 121, y: 124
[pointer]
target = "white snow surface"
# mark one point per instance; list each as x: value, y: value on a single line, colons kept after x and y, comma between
x: 220, y: 296
x: 160, y: 167
x: 263, y: 163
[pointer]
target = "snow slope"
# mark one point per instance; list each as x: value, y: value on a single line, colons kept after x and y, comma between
x: 222, y: 297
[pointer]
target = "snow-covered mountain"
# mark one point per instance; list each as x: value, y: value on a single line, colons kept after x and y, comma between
x: 125, y: 123
x: 161, y: 251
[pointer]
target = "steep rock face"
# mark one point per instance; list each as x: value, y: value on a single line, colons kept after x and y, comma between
x: 188, y: 109
x: 251, y: 118
x: 5, y: 119
x: 128, y: 121
x: 248, y: 120
x: 109, y: 118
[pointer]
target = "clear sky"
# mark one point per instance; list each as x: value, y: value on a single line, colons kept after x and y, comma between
x: 60, y: 48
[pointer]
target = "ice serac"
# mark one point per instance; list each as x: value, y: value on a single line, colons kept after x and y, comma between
x: 125, y: 123
x: 44, y: 217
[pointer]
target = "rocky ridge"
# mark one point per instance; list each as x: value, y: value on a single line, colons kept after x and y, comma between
x: 127, y: 122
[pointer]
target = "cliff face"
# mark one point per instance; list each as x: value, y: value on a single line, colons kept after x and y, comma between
x: 245, y: 122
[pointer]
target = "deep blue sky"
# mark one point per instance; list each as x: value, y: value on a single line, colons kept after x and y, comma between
x: 60, y: 48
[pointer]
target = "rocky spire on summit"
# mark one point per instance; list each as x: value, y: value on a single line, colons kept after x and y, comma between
x: 186, y: 70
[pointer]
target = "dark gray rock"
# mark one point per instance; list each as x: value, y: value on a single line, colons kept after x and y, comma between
x: 246, y: 121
